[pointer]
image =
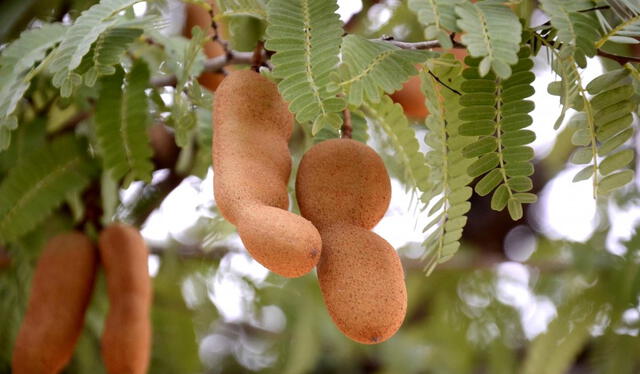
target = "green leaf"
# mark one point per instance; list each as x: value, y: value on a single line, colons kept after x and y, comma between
x: 500, y: 198
x: 616, y: 161
x: 615, y: 181
x: 520, y: 184
x: 306, y: 36
x: 606, y: 81
x: 483, y: 164
x: 240, y: 8
x: 438, y: 17
x: 484, y: 24
x: 16, y: 67
x: 577, y: 31
x: 78, y: 40
x: 390, y: 117
x: 110, y: 47
x: 449, y: 180
x: 40, y: 183
x: 490, y: 181
x: 121, y: 124
x: 583, y: 174
x: 370, y: 68
x: 500, y: 107
x: 515, y: 209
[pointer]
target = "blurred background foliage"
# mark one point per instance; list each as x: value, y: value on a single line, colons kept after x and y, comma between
x: 514, y: 299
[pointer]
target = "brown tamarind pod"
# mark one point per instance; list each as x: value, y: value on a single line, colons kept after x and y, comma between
x: 343, y: 180
x: 344, y: 189
x: 126, y: 338
x: 362, y: 283
x: 60, y: 293
x: 252, y: 164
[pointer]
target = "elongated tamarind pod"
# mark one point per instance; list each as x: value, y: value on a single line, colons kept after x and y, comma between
x: 126, y: 338
x: 344, y: 189
x: 251, y: 164
x: 60, y: 293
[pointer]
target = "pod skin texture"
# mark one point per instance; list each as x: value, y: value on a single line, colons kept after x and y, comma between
x: 60, y: 293
x: 126, y: 338
x: 252, y: 164
x: 344, y: 189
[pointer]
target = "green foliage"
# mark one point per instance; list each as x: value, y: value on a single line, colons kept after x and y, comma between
x: 40, y: 183
x: 306, y: 36
x: 78, y: 40
x: 577, y: 31
x: 391, y: 119
x: 496, y: 111
x: 16, y: 64
x: 627, y: 13
x: 359, y: 129
x: 485, y: 24
x: 370, y: 68
x: 121, y: 124
x: 449, y: 192
x: 569, y: 88
x: 108, y: 51
x: 239, y: 8
x: 438, y: 17
x: 602, y: 129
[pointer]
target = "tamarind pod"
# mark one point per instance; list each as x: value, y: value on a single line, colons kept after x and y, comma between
x: 60, y: 293
x: 126, y: 338
x: 252, y: 164
x: 198, y: 16
x: 343, y: 180
x: 362, y: 283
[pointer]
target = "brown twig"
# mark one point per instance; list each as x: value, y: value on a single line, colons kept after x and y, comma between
x: 346, y: 129
x: 427, y: 44
x: 216, y: 33
x: 617, y: 58
x: 258, y: 54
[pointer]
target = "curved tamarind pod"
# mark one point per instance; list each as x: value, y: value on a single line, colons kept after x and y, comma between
x: 344, y: 189
x: 126, y: 339
x: 362, y: 283
x: 60, y: 293
x: 343, y: 180
x: 252, y: 164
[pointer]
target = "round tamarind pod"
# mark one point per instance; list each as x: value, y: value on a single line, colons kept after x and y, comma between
x: 126, y: 338
x: 343, y: 180
x: 362, y: 283
x: 252, y: 164
x: 198, y: 16
x: 60, y: 293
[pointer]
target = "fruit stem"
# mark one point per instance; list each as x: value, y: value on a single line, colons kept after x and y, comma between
x: 346, y: 129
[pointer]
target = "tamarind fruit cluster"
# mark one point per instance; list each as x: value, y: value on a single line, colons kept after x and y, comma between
x: 343, y: 188
x: 60, y: 293
x: 252, y: 164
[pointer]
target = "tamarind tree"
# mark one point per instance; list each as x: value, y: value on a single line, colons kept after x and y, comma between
x: 105, y: 114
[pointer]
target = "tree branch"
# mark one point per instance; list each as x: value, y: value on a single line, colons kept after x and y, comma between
x: 617, y: 58
x: 212, y: 65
